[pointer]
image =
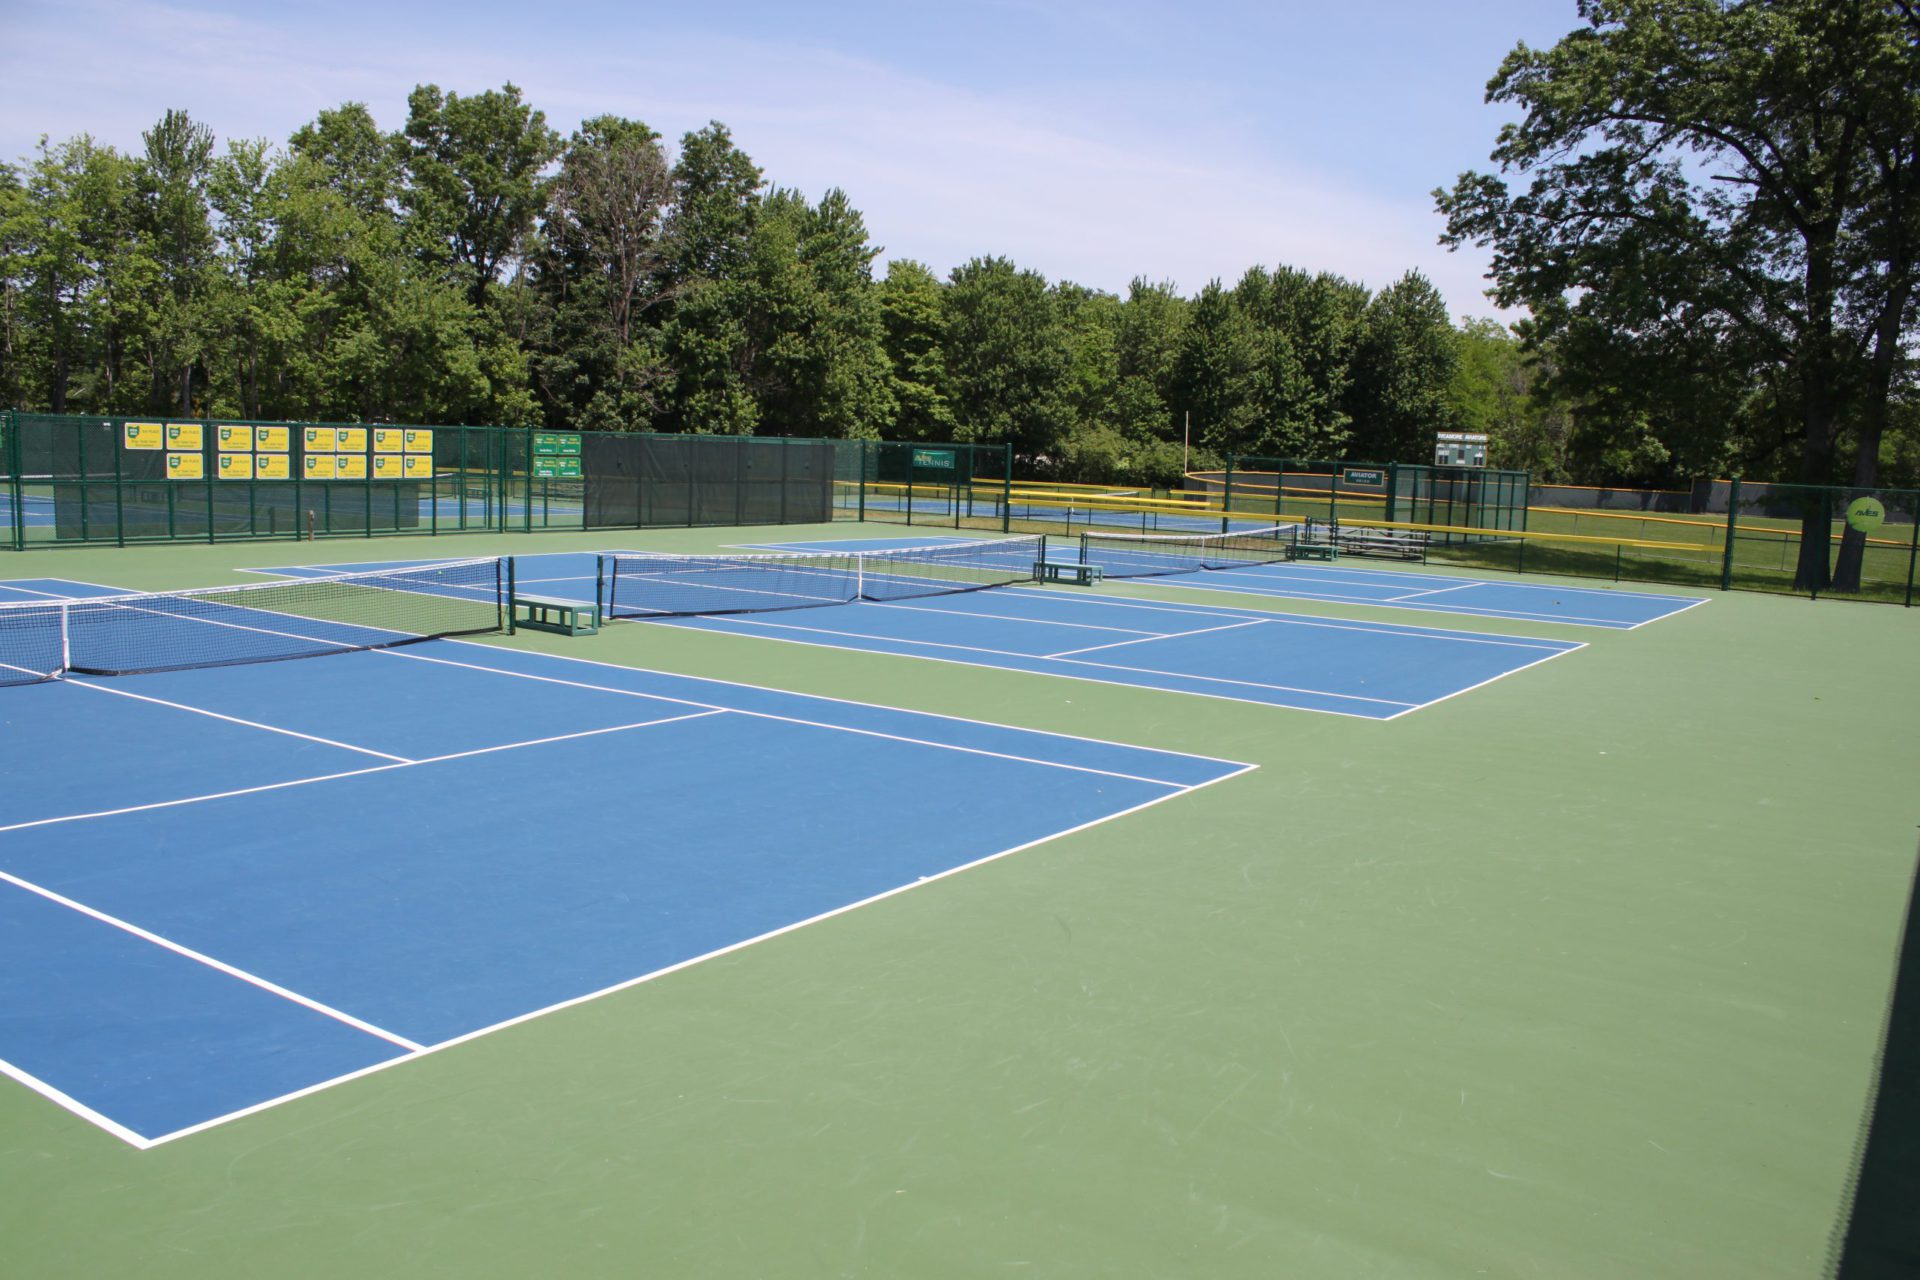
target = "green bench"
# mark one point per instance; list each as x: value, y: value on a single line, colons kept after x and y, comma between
x: 562, y: 617
x: 1072, y: 571
x: 1315, y: 551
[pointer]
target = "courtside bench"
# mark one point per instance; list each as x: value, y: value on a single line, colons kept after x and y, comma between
x: 562, y: 617
x: 1080, y: 575
x: 1314, y: 551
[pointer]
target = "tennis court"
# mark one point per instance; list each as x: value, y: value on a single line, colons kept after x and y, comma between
x: 1616, y: 610
x: 1372, y: 670
x: 221, y: 888
x: 323, y: 966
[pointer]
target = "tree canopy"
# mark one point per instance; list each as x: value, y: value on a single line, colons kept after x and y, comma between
x: 1718, y: 231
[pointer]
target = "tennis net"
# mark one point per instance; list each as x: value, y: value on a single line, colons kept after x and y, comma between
x: 640, y: 585
x: 258, y: 622
x: 1148, y: 555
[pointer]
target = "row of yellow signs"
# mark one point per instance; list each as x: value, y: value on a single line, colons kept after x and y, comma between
x: 260, y: 453
x: 187, y: 465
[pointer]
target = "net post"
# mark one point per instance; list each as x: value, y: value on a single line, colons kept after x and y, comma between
x: 1726, y: 552
x: 510, y: 595
x: 66, y: 642
x: 860, y: 563
x: 1040, y: 554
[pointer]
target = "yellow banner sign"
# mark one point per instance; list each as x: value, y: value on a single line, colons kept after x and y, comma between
x: 319, y: 439
x: 419, y: 466
x: 270, y: 439
x: 419, y: 441
x: 388, y: 440
x: 185, y: 435
x: 271, y: 466
x: 350, y: 466
x: 319, y: 466
x: 236, y: 466
x: 186, y: 466
x: 145, y: 435
x: 235, y: 439
x: 387, y: 466
x: 350, y: 440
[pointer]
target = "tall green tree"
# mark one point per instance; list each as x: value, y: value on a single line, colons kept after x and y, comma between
x: 1404, y: 361
x: 176, y: 222
x: 915, y: 334
x: 1745, y: 175
x: 1008, y: 360
x: 474, y: 178
x: 599, y: 268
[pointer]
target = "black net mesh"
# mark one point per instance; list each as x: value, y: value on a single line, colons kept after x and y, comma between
x: 658, y: 586
x: 259, y: 622
x: 1121, y: 555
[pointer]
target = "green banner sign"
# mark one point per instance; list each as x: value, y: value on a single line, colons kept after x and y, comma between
x: 556, y: 468
x: 556, y: 443
x: 1353, y: 475
x: 933, y: 459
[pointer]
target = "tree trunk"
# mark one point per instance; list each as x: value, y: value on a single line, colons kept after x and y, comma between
x: 1810, y: 573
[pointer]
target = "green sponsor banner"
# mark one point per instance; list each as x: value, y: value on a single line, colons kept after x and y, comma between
x: 933, y: 459
x: 557, y: 468
x: 556, y: 443
x: 1355, y: 475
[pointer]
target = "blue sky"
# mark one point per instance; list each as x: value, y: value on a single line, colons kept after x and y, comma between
x: 1091, y: 141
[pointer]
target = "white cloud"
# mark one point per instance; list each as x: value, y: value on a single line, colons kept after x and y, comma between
x: 1136, y: 180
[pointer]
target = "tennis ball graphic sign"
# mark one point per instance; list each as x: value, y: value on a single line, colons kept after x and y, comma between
x: 1865, y: 514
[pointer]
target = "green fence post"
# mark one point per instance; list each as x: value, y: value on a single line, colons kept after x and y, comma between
x: 1393, y: 488
x: 16, y: 496
x: 1726, y: 552
x: 1913, y: 552
x: 866, y: 447
x: 1226, y: 497
x: 1006, y: 490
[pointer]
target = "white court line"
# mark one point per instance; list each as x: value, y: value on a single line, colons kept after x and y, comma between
x: 1435, y: 591
x: 689, y: 963
x: 1298, y: 620
x: 354, y: 773
x: 1518, y: 615
x: 201, y: 957
x: 1012, y: 617
x: 812, y: 697
x: 251, y: 724
x: 1695, y: 602
x: 700, y: 624
x: 68, y: 1102
x: 49, y: 595
x: 814, y: 724
x: 1171, y: 635
x: 1003, y: 667
x: 1484, y: 683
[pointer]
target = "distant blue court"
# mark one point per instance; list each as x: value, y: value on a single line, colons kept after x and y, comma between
x: 1346, y: 583
x: 1372, y: 670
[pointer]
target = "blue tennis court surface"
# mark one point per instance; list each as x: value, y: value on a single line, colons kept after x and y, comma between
x: 1372, y: 670
x: 1389, y: 588
x: 220, y: 889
